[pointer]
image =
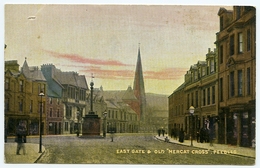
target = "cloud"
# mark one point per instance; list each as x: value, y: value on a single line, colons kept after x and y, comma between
x: 165, y: 74
x: 81, y: 59
x: 109, y: 74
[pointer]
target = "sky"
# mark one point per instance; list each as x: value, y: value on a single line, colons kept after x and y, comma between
x: 103, y: 40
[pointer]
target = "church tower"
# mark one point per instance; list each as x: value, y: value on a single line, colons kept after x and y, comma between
x: 138, y: 88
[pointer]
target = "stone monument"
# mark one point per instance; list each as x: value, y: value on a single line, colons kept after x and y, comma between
x: 91, y: 121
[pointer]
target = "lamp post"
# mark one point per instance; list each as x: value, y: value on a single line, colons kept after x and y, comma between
x: 191, y: 109
x: 78, y: 123
x: 40, y: 144
x: 105, y: 124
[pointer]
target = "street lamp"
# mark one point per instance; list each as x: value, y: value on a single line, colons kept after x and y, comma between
x: 191, y: 109
x: 105, y: 124
x: 78, y: 123
x: 40, y: 144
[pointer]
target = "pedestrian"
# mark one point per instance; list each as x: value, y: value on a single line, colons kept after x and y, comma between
x: 198, y: 136
x: 163, y: 131
x: 181, y: 136
x: 176, y: 135
x: 20, y: 138
x: 159, y: 132
x: 167, y: 139
x: 201, y: 135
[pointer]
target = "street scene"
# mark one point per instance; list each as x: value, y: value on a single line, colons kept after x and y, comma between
x: 134, y: 149
x: 130, y: 84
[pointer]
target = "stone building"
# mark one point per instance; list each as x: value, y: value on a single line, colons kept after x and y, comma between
x: 121, y: 115
x: 71, y: 88
x: 199, y: 90
x: 237, y: 75
x: 22, y: 100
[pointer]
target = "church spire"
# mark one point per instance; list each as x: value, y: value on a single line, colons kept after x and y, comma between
x: 138, y: 87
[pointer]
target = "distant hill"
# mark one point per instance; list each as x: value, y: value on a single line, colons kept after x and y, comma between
x: 159, y: 101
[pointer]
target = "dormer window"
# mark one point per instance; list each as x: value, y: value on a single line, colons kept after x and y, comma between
x: 240, y: 42
x: 212, y: 66
x: 195, y: 75
x: 203, y: 71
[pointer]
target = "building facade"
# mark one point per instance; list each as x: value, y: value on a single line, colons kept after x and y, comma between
x: 237, y: 75
x: 200, y: 91
x: 72, y: 89
x: 22, y: 100
x: 54, y: 114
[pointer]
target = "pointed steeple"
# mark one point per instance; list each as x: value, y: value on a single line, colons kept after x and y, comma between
x: 25, y: 69
x: 139, y: 89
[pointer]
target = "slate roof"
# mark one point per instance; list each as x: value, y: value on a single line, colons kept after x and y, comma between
x: 66, y: 78
x: 32, y: 73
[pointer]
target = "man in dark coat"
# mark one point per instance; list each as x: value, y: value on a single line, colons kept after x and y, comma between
x: 20, y: 138
x: 159, y: 132
x: 181, y: 136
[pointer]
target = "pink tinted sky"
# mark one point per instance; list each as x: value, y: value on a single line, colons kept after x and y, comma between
x: 104, y: 40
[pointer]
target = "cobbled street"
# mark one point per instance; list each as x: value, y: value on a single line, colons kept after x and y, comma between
x: 129, y: 149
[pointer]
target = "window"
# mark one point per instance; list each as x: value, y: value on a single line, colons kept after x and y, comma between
x: 50, y: 100
x: 50, y: 112
x: 213, y: 94
x: 221, y: 89
x: 240, y: 42
x: 208, y: 101
x: 196, y: 99
x: 51, y: 126
x: 7, y: 83
x: 221, y: 54
x: 58, y: 101
x: 248, y: 81
x: 240, y: 82
x: 192, y: 99
x: 31, y: 106
x: 69, y: 90
x: 188, y: 101
x: 66, y: 126
x: 41, y: 87
x: 232, y: 85
x: 7, y: 103
x: 212, y: 66
x: 195, y: 75
x: 231, y: 46
x: 21, y: 85
x: 203, y: 71
x: 70, y: 111
x: 21, y: 105
x: 58, y: 113
x: 248, y: 40
x: 204, y: 97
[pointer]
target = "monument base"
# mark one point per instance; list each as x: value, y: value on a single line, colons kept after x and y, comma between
x: 91, y: 126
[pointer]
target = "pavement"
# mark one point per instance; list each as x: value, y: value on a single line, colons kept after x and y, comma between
x: 216, y: 148
x: 32, y: 150
x: 31, y: 153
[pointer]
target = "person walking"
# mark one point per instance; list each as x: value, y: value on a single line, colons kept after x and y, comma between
x: 163, y: 131
x: 20, y: 138
x: 159, y: 132
x: 198, y: 136
x: 181, y: 136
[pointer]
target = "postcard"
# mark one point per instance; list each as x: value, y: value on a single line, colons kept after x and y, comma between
x: 133, y: 84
